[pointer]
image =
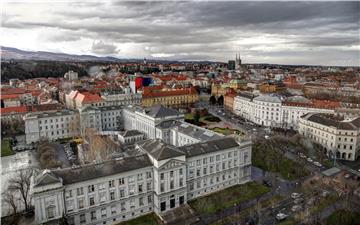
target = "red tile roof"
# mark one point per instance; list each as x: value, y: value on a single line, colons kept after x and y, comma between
x: 9, y: 96
x: 16, y: 109
x: 32, y: 108
x: 87, y: 97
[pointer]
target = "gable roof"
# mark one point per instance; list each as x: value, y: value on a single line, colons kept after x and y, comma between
x: 208, y: 147
x: 160, y: 150
x: 161, y: 111
x: 107, y: 168
x: 46, y: 178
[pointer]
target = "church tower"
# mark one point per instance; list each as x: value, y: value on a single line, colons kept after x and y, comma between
x: 237, y: 61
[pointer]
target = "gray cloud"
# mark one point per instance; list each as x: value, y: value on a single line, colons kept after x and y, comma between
x: 208, y: 30
x: 101, y: 48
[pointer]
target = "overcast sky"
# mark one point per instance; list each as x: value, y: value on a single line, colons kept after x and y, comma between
x: 326, y: 33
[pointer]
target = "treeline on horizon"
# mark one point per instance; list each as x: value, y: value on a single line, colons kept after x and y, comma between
x: 28, y: 69
x: 35, y: 69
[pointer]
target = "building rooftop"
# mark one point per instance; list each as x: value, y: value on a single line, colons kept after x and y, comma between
x: 160, y: 150
x: 197, y: 132
x: 246, y: 95
x: 95, y: 170
x: 208, y: 147
x: 63, y: 112
x: 332, y: 121
x: 161, y: 111
x: 268, y: 98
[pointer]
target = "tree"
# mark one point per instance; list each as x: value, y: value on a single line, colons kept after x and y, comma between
x: 9, y: 197
x: 212, y: 100
x: 21, y: 183
x: 197, y: 117
x: 220, y: 100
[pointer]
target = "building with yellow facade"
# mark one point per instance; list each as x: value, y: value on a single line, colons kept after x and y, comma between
x: 157, y: 95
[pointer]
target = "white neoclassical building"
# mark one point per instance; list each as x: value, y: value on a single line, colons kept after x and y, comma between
x: 51, y: 125
x: 56, y: 125
x: 177, y: 163
x: 337, y: 136
x: 159, y: 179
x: 272, y: 111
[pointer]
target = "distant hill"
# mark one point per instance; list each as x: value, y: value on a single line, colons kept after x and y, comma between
x: 8, y: 53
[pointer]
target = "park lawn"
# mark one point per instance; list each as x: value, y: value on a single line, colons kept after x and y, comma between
x: 148, y: 219
x: 343, y: 217
x: 6, y: 149
x: 205, y: 119
x: 189, y: 116
x: 228, y: 197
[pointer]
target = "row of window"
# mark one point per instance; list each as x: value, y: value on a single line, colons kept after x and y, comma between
x: 57, y: 120
x: 110, y: 184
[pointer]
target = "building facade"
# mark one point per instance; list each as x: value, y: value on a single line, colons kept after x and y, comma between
x: 337, y: 136
x: 160, y: 179
x: 61, y: 124
x: 272, y: 111
x: 169, y: 97
x: 51, y: 125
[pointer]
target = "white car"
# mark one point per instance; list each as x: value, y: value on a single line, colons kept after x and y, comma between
x: 266, y: 137
x: 295, y: 195
x: 281, y: 216
x: 317, y: 164
x: 309, y: 160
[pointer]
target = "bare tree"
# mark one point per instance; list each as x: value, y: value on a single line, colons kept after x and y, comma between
x: 9, y: 198
x: 21, y: 183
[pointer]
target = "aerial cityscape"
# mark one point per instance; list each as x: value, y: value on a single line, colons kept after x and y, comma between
x: 180, y: 113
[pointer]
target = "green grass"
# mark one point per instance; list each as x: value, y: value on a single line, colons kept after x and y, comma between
x: 189, y: 116
x: 205, y: 119
x: 148, y: 219
x: 343, y: 217
x: 228, y: 197
x: 6, y: 149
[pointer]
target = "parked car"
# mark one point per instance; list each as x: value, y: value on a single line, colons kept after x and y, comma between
x: 309, y: 160
x: 302, y: 155
x: 317, y: 164
x: 347, y: 176
x: 281, y: 216
x: 325, y: 193
x: 295, y: 195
